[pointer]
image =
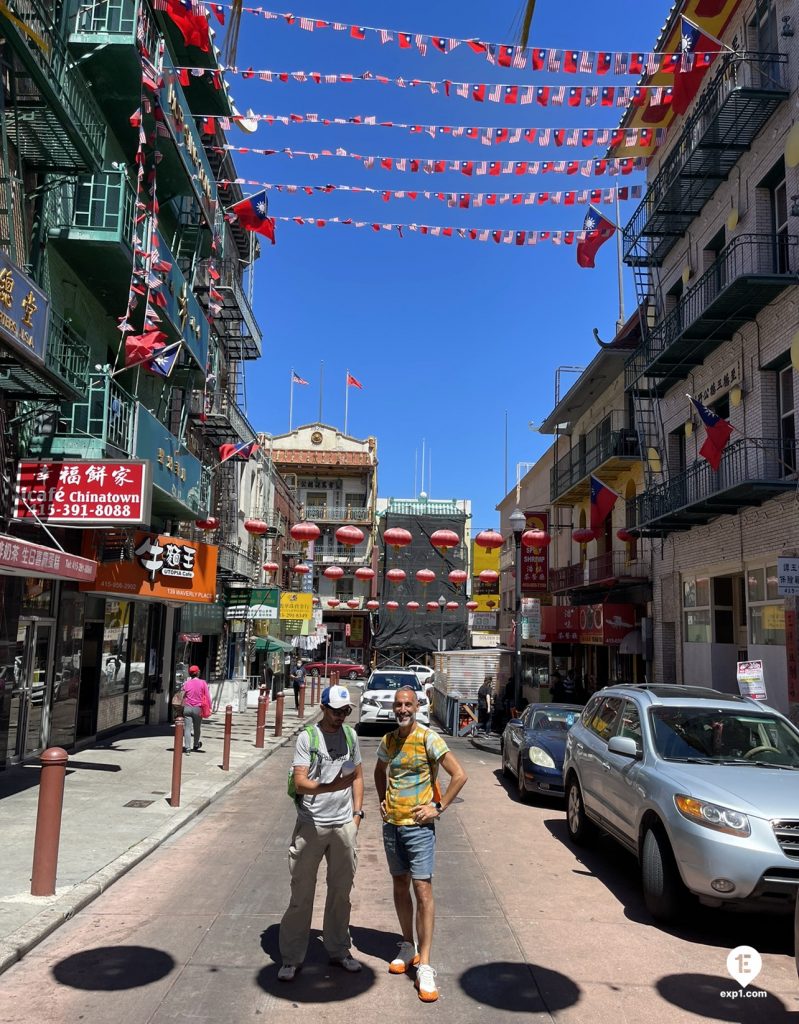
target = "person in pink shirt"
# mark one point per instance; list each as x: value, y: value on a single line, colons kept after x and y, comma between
x: 195, y: 694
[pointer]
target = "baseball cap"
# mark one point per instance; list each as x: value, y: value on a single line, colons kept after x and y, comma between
x: 194, y: 670
x: 336, y: 697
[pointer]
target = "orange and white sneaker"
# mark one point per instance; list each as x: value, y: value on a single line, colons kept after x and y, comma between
x: 407, y: 957
x: 426, y: 983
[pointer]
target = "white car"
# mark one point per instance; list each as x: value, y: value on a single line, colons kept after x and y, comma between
x: 426, y: 676
x: 377, y: 702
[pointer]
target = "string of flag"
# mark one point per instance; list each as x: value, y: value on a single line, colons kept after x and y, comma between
x: 463, y: 200
x: 547, y: 59
x: 570, y: 137
x: 588, y: 168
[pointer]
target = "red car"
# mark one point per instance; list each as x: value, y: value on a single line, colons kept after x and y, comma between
x: 346, y: 668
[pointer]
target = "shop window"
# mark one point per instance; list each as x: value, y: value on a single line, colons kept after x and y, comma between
x: 67, y: 666
x: 116, y: 630
x: 696, y: 610
x: 766, y: 608
x: 37, y: 596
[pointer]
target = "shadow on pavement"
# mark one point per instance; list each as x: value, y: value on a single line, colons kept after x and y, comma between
x: 380, y: 944
x: 318, y: 981
x: 113, y: 968
x: 519, y: 987
x: 701, y: 994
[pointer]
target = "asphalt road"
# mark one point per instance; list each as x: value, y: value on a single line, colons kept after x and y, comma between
x: 527, y: 929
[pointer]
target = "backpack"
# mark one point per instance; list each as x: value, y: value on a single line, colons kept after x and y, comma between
x: 313, y: 740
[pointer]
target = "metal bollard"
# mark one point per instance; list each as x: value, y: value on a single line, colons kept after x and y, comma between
x: 177, y: 763
x: 279, y: 701
x: 314, y: 690
x: 260, y: 720
x: 228, y: 733
x: 48, y: 821
x: 301, y: 706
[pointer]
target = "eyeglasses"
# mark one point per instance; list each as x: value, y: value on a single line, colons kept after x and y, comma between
x: 339, y: 711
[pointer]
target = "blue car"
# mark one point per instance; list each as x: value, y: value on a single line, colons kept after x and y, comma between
x: 533, y: 747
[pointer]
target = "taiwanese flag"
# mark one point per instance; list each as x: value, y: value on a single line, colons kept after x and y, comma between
x: 141, y: 347
x: 505, y: 56
x: 242, y: 450
x: 501, y: 134
x: 510, y: 93
x: 598, y: 230
x: 603, y: 63
x: 252, y: 215
x: 542, y: 95
x: 440, y: 43
x: 717, y: 433
x: 537, y: 59
x: 494, y: 167
x: 575, y: 96
x: 570, y: 59
x: 697, y: 51
x: 467, y: 166
x: 357, y: 32
x: 405, y: 40
x: 602, y: 501
x: 193, y: 27
x: 479, y: 92
x: 636, y: 65
x: 219, y: 13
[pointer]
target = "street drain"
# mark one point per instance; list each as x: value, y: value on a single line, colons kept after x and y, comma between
x: 138, y: 803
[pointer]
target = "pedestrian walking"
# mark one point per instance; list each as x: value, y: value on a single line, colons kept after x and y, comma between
x: 297, y: 679
x: 268, y: 678
x: 408, y: 760
x: 485, y: 704
x: 328, y: 783
x: 196, y: 699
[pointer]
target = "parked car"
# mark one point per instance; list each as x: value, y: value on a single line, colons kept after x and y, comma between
x: 699, y: 785
x: 533, y: 746
x: 426, y: 676
x: 346, y: 668
x: 377, y: 700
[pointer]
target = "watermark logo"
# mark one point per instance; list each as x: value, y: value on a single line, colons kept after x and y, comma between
x: 744, y: 963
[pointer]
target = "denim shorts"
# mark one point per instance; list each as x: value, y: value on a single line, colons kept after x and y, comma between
x: 410, y: 849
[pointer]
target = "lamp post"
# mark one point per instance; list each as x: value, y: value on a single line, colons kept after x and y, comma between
x: 518, y: 523
x: 442, y: 603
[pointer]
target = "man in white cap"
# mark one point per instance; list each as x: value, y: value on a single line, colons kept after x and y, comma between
x: 328, y: 780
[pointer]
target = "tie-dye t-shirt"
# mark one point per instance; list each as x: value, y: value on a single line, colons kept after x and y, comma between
x: 412, y: 766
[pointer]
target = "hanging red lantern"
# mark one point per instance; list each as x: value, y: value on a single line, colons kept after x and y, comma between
x: 364, y: 573
x: 349, y: 535
x: 301, y: 569
x: 443, y: 540
x: 582, y: 536
x: 333, y: 572
x: 458, y: 577
x: 536, y: 539
x: 211, y: 523
x: 624, y: 535
x: 432, y: 606
x: 472, y: 606
x: 372, y: 605
x: 451, y: 606
x: 488, y: 576
x: 271, y: 567
x: 333, y: 602
x: 425, y: 576
x: 305, y: 531
x: 353, y: 602
x: 392, y: 606
x: 488, y: 539
x: 413, y: 606
x: 397, y: 537
x: 315, y: 602
x: 395, y: 575
x: 257, y: 527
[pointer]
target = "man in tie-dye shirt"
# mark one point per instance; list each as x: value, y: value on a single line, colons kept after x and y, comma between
x: 405, y: 776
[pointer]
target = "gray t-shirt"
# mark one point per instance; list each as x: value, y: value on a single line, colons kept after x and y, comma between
x: 326, y: 808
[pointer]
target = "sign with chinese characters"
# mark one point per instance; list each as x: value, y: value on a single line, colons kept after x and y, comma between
x: 535, y: 561
x: 751, y: 681
x: 259, y: 604
x: 24, y: 312
x: 176, y: 473
x: 531, y: 618
x: 22, y: 558
x: 787, y: 577
x: 721, y: 384
x: 296, y: 606
x: 595, y: 624
x: 100, y: 492
x: 161, y: 567
x: 356, y: 633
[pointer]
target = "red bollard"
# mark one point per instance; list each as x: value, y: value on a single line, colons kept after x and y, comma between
x: 48, y: 821
x: 279, y: 700
x: 301, y: 708
x: 260, y: 720
x: 314, y: 689
x: 177, y: 763
x: 228, y: 733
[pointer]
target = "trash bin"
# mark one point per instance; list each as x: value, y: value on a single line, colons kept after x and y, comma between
x: 356, y: 692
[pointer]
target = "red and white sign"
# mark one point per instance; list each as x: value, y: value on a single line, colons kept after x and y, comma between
x: 96, y: 492
x: 21, y: 558
x: 535, y: 561
x: 596, y: 624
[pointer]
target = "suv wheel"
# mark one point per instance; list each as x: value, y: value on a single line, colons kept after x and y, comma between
x: 581, y: 829
x: 664, y: 892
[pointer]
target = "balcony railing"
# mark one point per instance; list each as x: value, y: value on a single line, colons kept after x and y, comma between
x: 609, y: 567
x: 245, y: 341
x: 751, y: 470
x: 98, y: 208
x: 220, y: 415
x: 108, y: 415
x: 341, y: 555
x: 335, y: 514
x: 113, y: 22
x: 609, y: 440
x: 232, y: 561
x: 67, y: 353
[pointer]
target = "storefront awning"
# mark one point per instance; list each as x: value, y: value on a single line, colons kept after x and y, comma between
x: 271, y: 644
x: 23, y: 558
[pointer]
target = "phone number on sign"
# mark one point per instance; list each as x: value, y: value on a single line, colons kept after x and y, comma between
x: 83, y: 510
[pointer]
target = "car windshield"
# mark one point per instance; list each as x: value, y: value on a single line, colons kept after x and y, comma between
x: 723, y: 735
x: 559, y: 721
x: 393, y: 681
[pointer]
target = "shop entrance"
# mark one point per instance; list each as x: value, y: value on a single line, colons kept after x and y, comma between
x: 32, y: 695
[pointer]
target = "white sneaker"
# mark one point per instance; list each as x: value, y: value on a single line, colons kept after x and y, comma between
x: 407, y: 957
x: 287, y: 972
x: 426, y: 983
x: 349, y: 963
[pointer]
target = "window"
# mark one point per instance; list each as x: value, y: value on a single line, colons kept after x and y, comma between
x: 630, y: 724
x: 696, y: 610
x: 604, y: 721
x: 786, y: 404
x: 766, y: 607
x: 723, y: 610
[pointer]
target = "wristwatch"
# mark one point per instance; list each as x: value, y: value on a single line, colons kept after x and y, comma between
x: 438, y: 806
x: 358, y: 814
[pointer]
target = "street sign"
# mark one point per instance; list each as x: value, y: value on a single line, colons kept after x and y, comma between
x: 788, y: 577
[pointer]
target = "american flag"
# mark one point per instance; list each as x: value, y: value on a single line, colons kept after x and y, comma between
x: 296, y: 378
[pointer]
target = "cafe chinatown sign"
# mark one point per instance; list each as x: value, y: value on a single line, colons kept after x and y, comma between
x: 84, y: 492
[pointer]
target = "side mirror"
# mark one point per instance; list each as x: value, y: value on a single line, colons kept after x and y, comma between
x: 624, y: 745
x: 515, y: 721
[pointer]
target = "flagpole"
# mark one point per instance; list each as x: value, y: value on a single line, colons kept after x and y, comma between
x: 291, y: 398
x: 619, y: 262
x: 321, y: 386
x: 346, y: 398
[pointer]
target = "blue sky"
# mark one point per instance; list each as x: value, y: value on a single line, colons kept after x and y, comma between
x: 445, y: 334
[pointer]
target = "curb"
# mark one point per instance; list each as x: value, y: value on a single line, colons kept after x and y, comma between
x: 15, y: 945
x: 486, y: 743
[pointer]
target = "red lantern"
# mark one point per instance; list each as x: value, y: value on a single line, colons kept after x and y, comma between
x: 301, y: 569
x: 303, y: 532
x: 271, y: 567
x: 315, y: 602
x: 472, y: 606
x: 397, y: 538
x: 372, y: 605
x: 488, y: 576
x: 353, y: 602
x: 333, y: 572
x: 442, y: 540
x: 458, y: 577
x: 395, y: 575
x: 392, y: 606
x: 211, y: 523
x: 582, y: 536
x: 536, y: 539
x: 257, y: 527
x: 333, y: 602
x: 624, y: 535
x: 452, y: 606
x: 413, y: 606
x: 364, y: 573
x: 425, y: 576
x: 488, y: 539
x: 432, y: 606
x: 349, y: 535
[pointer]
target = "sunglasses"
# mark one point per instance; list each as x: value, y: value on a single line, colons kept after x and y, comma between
x: 339, y: 711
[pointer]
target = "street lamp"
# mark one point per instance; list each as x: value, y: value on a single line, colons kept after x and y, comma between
x: 442, y: 603
x: 518, y: 523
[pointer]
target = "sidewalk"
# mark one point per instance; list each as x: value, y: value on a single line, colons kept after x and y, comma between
x: 116, y: 812
x: 489, y: 743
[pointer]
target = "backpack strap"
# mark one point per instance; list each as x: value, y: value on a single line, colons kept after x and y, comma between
x: 350, y: 737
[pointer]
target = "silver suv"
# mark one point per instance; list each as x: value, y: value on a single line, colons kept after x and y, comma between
x: 698, y: 784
